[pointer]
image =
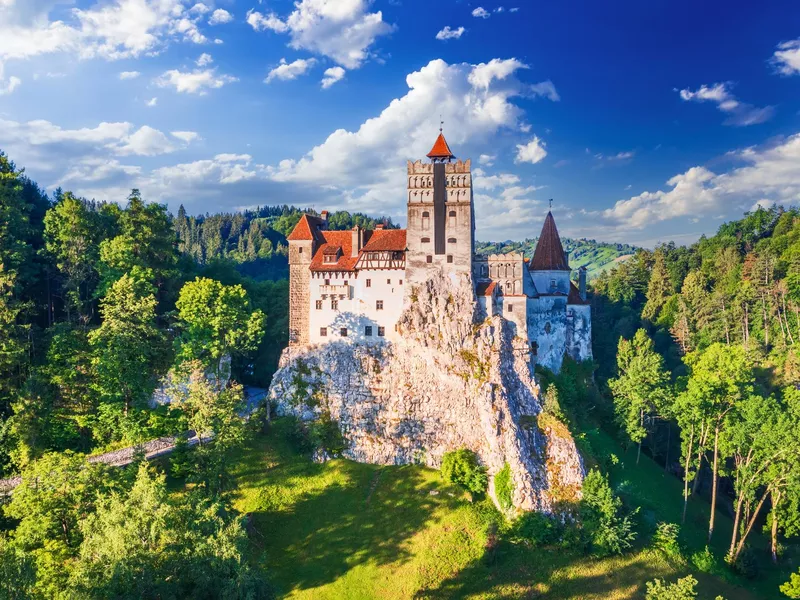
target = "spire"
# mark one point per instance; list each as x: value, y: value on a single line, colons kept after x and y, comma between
x: 441, y: 151
x: 549, y: 254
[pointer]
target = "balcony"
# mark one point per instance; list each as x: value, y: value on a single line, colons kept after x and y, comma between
x: 335, y: 290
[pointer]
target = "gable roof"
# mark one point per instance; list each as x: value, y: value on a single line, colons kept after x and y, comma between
x: 440, y: 148
x: 334, y: 240
x: 385, y: 240
x: 549, y: 254
x: 575, y: 295
x: 307, y: 229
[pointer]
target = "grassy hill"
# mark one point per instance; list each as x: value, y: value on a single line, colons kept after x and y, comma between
x: 357, y: 531
x: 595, y: 256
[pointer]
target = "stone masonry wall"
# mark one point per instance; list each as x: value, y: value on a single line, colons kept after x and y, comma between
x: 450, y: 381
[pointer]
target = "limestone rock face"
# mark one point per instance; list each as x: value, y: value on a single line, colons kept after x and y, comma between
x: 455, y: 379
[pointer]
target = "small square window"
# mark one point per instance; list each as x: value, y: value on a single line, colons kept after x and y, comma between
x: 368, y: 331
x: 369, y: 282
x: 335, y: 304
x: 327, y: 282
x: 379, y: 304
x: 323, y: 332
x: 553, y: 283
x: 449, y: 258
x: 345, y: 283
x: 300, y: 250
x: 509, y: 308
x: 388, y: 282
x: 400, y: 282
x: 343, y: 332
x: 319, y: 304
x: 381, y: 331
x: 429, y: 259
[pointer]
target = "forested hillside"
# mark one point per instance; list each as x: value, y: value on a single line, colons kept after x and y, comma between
x: 596, y: 256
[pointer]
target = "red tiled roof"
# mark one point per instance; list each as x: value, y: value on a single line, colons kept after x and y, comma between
x: 334, y: 239
x: 440, y: 148
x: 575, y: 295
x: 486, y: 288
x: 385, y: 240
x: 307, y: 229
x: 549, y: 254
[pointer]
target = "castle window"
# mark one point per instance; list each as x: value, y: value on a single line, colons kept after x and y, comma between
x: 426, y: 240
x: 327, y: 282
x: 335, y: 304
x: 449, y: 258
x: 343, y: 332
x: 509, y: 308
x: 300, y: 250
x: 452, y: 217
x: 319, y: 304
x: 368, y: 331
x: 429, y: 259
x: 400, y: 282
x: 388, y: 282
x: 379, y: 305
x: 369, y: 282
x: 323, y: 332
x: 552, y: 284
x: 329, y: 258
x: 426, y: 220
x: 547, y: 327
x: 451, y: 240
x: 381, y: 331
x: 535, y: 348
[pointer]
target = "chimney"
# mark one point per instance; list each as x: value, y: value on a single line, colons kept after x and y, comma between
x: 582, y: 283
x: 378, y: 226
x: 356, y: 241
x: 324, y: 217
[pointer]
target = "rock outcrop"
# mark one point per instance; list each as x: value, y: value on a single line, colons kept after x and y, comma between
x: 454, y: 379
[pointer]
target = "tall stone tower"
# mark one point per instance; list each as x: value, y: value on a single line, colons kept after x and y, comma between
x: 303, y: 242
x: 441, y: 222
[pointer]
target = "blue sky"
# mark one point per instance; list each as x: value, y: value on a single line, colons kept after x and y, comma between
x: 645, y: 121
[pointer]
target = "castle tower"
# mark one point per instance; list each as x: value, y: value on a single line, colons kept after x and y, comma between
x: 549, y: 267
x: 303, y: 243
x: 441, y: 226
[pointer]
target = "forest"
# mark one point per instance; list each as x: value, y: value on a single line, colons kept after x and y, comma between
x: 693, y: 389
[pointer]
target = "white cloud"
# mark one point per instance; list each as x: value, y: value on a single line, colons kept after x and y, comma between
x: 532, y: 152
x: 96, y: 169
x: 146, y: 142
x: 198, y: 81
x: 546, y: 89
x: 129, y: 74
x: 223, y: 169
x: 618, y: 158
x: 186, y: 136
x: 484, y: 74
x: 513, y: 10
x: 152, y: 102
x: 9, y: 85
x: 787, y: 57
x: 204, y: 60
x: 499, y: 9
x: 199, y: 8
x: 739, y: 113
x: 481, y: 181
x: 343, y: 31
x: 450, y: 34
x: 220, y: 17
x: 486, y: 159
x: 259, y: 22
x: 287, y: 71
x: 769, y: 174
x: 332, y: 75
x: 481, y: 13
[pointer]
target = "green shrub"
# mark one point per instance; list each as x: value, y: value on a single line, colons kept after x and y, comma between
x: 180, y: 465
x: 535, y: 529
x: 704, y: 561
x: 551, y: 404
x: 324, y: 434
x: 608, y: 529
x: 504, y: 486
x: 666, y: 540
x: 462, y: 468
x: 746, y: 564
x: 792, y: 587
x: 683, y: 589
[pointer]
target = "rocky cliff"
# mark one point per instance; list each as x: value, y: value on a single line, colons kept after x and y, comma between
x: 455, y: 379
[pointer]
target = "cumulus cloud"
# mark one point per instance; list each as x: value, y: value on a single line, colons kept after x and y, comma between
x: 186, y: 137
x: 331, y: 76
x: 129, y: 74
x: 7, y: 86
x: 204, y: 60
x: 112, y: 30
x: 198, y: 81
x: 787, y: 57
x: 481, y: 13
x: 739, y: 113
x: 152, y: 102
x: 286, y: 71
x: 450, y: 34
x: 486, y: 159
x: 343, y: 31
x: 769, y: 174
x: 220, y: 17
x: 532, y: 152
x: 545, y: 89
x: 146, y: 142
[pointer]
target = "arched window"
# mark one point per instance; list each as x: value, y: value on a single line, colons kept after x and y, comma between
x: 451, y: 240
x: 452, y: 218
x: 426, y: 220
x: 426, y: 240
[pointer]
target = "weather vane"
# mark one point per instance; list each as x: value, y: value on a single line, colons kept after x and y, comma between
x: 551, y: 203
x: 441, y: 124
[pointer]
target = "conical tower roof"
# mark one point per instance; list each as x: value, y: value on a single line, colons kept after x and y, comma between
x: 549, y: 254
x: 441, y: 150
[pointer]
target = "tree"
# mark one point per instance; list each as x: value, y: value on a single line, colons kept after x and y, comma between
x: 683, y: 589
x: 791, y: 588
x: 659, y: 288
x: 609, y: 530
x: 720, y: 378
x: 216, y: 322
x: 642, y: 387
x: 127, y: 348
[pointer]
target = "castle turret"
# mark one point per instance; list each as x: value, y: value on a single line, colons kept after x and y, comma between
x: 440, y: 214
x: 303, y: 243
x: 549, y: 266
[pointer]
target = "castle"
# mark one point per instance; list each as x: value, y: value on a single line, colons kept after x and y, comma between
x: 351, y: 286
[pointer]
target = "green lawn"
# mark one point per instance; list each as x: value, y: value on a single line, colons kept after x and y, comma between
x: 348, y: 530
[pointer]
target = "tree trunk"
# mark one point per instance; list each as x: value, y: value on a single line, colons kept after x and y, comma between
x: 750, y: 524
x: 686, y: 464
x: 725, y: 320
x: 776, y: 500
x: 714, y: 484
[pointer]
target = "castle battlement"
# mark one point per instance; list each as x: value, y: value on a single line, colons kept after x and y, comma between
x: 352, y: 285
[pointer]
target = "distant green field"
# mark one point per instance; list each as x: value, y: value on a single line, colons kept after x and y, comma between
x: 355, y: 531
x: 595, y: 256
